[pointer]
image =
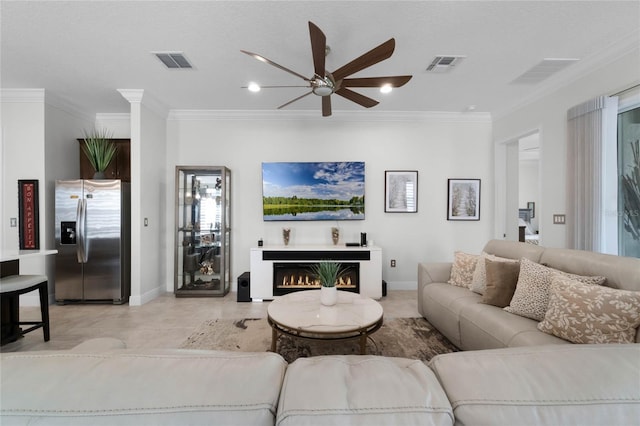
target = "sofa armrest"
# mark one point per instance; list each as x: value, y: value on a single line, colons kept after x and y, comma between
x: 432, y: 272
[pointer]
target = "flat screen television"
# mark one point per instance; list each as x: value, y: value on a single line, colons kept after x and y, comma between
x: 313, y: 191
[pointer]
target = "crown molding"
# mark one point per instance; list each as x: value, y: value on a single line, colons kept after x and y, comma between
x: 623, y: 46
x: 45, y: 97
x: 149, y: 101
x: 115, y: 116
x: 21, y: 95
x: 338, y: 116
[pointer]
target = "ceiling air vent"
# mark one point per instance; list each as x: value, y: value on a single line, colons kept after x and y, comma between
x: 543, y: 70
x: 444, y: 63
x: 173, y: 60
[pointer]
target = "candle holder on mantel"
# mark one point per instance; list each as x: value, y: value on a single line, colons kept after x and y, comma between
x: 335, y: 235
x: 286, y: 233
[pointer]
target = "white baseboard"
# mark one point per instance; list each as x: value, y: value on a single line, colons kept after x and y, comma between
x: 146, y: 297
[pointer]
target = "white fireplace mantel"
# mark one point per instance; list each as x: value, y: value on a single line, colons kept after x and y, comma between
x: 262, y: 269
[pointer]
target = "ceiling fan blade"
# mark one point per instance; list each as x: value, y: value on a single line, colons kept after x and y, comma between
x: 270, y: 62
x: 293, y: 100
x: 272, y: 87
x: 375, y: 55
x: 393, y: 81
x: 357, y: 98
x: 318, y: 49
x: 326, y: 106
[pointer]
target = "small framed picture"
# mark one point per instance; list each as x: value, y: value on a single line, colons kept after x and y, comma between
x: 464, y: 199
x: 531, y: 206
x: 29, y: 214
x: 401, y: 191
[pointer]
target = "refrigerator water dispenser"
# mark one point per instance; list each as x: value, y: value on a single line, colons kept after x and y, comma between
x: 68, y: 232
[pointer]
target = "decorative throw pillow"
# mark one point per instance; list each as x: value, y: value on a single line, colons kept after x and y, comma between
x: 531, y: 297
x: 479, y: 282
x: 462, y: 269
x: 502, y: 278
x: 584, y: 313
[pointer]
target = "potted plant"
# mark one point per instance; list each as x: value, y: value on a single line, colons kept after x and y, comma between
x: 328, y: 274
x: 99, y: 150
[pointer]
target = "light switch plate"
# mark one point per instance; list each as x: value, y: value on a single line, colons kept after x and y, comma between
x: 559, y: 219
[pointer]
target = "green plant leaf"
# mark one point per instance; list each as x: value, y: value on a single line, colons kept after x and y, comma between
x: 99, y: 149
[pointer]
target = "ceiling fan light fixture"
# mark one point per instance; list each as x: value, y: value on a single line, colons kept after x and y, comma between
x: 386, y: 88
x: 253, y: 87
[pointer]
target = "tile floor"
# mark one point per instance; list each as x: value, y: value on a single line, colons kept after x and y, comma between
x: 165, y: 322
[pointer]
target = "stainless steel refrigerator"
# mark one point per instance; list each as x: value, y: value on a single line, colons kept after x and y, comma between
x: 93, y: 239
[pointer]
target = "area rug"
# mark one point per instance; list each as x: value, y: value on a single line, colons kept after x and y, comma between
x: 411, y: 338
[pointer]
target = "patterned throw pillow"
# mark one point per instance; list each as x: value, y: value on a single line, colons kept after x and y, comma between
x: 462, y: 269
x: 584, y: 313
x: 479, y: 282
x: 531, y: 297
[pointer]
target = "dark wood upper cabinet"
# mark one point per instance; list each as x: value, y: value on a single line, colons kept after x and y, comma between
x: 120, y: 166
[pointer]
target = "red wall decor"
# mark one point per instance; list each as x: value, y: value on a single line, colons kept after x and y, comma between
x: 28, y: 212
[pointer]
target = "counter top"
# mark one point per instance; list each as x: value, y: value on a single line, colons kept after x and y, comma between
x: 6, y: 255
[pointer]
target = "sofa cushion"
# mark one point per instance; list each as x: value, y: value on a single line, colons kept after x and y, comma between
x: 361, y: 390
x: 479, y: 282
x: 159, y: 387
x: 531, y: 297
x: 464, y: 264
x: 488, y: 327
x: 502, y: 278
x: 584, y: 313
x: 551, y: 385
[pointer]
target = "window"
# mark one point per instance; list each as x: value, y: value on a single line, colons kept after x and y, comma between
x: 629, y: 183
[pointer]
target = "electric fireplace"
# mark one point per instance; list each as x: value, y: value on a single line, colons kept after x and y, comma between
x: 295, y: 276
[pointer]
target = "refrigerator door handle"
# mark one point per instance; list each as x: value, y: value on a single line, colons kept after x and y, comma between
x: 80, y: 232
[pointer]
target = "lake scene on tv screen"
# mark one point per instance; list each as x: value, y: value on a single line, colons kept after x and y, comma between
x: 313, y: 191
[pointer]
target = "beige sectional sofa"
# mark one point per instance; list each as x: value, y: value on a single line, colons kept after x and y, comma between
x: 543, y: 381
x: 102, y: 383
x: 469, y: 324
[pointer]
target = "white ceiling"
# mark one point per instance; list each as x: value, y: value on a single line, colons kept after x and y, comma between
x: 83, y: 51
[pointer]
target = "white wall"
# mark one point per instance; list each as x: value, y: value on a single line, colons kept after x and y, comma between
x: 438, y: 146
x: 38, y: 142
x: 548, y: 114
x: 23, y: 151
x: 152, y: 202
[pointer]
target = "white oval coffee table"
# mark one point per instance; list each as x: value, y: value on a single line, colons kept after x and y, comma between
x: 300, y: 314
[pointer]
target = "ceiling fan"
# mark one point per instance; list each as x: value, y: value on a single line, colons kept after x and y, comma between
x: 325, y: 84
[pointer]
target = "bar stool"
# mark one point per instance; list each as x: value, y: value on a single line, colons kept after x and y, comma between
x: 11, y: 287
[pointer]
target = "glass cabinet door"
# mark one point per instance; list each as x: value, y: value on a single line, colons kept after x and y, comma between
x: 203, y: 231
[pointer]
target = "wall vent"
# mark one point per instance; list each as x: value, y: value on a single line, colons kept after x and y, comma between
x: 444, y: 63
x: 173, y: 60
x: 543, y: 70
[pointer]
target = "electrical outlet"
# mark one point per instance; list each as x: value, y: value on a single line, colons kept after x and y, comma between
x: 393, y: 263
x: 14, y: 222
x: 559, y: 219
x: 146, y: 221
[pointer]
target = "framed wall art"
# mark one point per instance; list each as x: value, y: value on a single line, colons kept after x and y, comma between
x: 295, y: 191
x: 464, y: 199
x: 28, y: 212
x: 401, y: 191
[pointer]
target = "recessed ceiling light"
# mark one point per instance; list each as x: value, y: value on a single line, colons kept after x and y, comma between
x: 386, y: 88
x: 253, y: 87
